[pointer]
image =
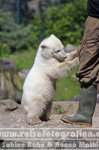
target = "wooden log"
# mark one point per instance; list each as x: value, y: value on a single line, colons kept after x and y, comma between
x: 10, y: 82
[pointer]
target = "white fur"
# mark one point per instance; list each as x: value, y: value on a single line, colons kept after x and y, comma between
x: 39, y: 86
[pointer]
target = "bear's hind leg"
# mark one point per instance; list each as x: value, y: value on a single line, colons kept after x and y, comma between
x: 33, y: 120
x: 34, y: 112
x: 47, y: 112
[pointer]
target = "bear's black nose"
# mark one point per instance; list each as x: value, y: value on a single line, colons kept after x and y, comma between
x: 65, y: 57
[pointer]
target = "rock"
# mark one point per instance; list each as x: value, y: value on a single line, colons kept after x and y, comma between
x: 8, y: 105
x: 70, y: 48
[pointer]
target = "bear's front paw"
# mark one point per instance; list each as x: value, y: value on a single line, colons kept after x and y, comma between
x: 33, y: 120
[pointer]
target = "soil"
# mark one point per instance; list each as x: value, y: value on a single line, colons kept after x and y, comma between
x: 13, y: 116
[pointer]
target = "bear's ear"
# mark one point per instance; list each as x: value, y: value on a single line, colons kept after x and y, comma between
x: 45, y: 52
x: 52, y: 36
x: 43, y: 46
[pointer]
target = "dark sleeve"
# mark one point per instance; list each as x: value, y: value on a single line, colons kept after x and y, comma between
x: 93, y: 8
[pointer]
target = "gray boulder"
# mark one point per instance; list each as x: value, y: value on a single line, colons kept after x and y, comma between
x: 70, y: 48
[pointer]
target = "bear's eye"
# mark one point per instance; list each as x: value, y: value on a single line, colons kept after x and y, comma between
x: 58, y: 51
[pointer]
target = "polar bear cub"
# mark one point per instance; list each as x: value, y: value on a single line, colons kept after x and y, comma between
x: 51, y: 63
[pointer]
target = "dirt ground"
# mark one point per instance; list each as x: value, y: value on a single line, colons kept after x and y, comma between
x: 13, y: 116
